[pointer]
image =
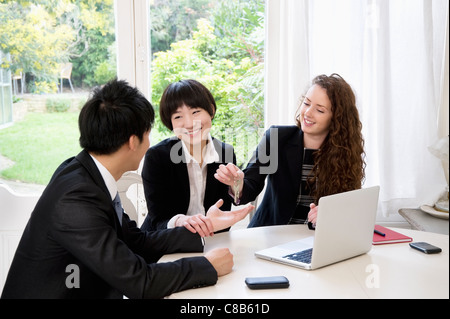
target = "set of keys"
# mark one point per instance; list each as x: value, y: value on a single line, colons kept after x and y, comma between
x: 236, y: 187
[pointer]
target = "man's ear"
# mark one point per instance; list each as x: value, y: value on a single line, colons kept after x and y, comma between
x: 133, y: 142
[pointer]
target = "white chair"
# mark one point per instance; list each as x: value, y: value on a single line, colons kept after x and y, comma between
x: 131, y: 192
x: 15, y: 78
x: 66, y: 73
x: 15, y: 210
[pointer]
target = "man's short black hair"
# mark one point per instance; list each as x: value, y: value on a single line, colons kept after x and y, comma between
x: 112, y: 115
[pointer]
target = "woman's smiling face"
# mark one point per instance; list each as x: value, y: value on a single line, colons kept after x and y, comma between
x: 316, y: 113
x: 191, y: 124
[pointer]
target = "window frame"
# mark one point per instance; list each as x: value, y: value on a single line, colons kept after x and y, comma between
x: 133, y: 43
x: 132, y: 23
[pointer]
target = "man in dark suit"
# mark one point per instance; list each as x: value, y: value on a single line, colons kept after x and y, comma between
x: 76, y: 245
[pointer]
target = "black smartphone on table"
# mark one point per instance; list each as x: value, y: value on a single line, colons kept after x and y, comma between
x: 267, y: 282
x: 425, y: 247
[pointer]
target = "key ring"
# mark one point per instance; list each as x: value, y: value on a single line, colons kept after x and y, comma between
x: 236, y: 187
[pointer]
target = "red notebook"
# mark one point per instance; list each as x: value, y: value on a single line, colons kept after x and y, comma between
x: 390, y: 236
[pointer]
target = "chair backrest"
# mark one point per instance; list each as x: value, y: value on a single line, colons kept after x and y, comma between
x: 130, y: 190
x: 15, y: 210
x: 66, y: 70
x: 17, y: 76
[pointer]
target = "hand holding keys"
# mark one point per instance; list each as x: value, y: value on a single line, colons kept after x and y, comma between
x: 232, y: 176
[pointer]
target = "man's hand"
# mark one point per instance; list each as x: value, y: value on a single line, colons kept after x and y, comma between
x: 221, y: 259
x: 221, y: 220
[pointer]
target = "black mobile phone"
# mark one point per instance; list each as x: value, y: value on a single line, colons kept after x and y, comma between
x: 425, y: 247
x: 267, y: 282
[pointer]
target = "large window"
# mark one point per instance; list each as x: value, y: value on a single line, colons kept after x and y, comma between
x: 59, y: 50
x: 152, y: 43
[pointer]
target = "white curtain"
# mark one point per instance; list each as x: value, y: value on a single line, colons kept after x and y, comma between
x: 286, y: 59
x: 394, y: 53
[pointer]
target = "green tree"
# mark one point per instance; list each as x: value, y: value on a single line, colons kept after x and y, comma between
x: 174, y: 20
x: 42, y: 34
x: 93, y: 54
x: 36, y: 44
x: 240, y: 26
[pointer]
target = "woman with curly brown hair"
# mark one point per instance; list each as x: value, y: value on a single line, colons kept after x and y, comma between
x: 322, y: 154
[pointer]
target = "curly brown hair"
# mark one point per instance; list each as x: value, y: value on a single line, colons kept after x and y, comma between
x: 339, y: 164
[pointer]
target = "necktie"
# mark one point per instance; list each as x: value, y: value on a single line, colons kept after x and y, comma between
x: 118, y: 207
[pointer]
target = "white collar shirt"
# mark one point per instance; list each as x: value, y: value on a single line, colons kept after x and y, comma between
x: 197, y: 179
x: 109, y: 180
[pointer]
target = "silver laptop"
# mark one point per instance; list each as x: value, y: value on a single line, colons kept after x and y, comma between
x: 344, y: 229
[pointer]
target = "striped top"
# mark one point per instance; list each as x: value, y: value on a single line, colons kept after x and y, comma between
x: 304, y: 197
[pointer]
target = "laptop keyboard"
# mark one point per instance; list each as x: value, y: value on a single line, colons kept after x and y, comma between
x: 303, y: 256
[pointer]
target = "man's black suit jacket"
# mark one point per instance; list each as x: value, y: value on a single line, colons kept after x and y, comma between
x: 166, y: 182
x: 74, y: 234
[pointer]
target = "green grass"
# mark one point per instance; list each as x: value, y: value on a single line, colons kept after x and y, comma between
x: 41, y: 141
x: 38, y: 144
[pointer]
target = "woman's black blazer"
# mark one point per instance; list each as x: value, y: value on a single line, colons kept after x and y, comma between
x: 166, y: 182
x: 279, y: 158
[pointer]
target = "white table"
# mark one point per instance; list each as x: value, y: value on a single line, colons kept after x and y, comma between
x: 386, y: 271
